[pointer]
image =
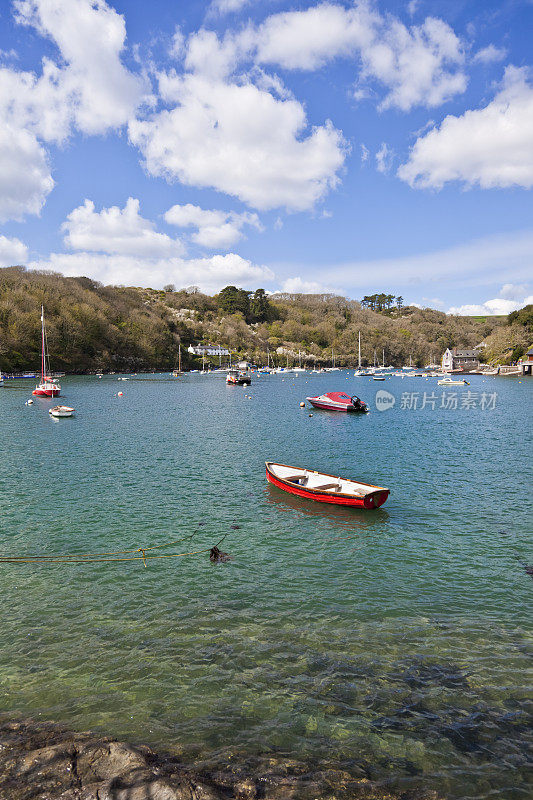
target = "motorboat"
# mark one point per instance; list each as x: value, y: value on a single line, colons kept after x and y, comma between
x: 378, y: 377
x: 47, y: 387
x: 61, y: 411
x: 450, y: 382
x: 238, y: 377
x: 338, y: 401
x: 325, y: 488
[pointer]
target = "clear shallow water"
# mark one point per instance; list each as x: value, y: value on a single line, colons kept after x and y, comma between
x: 393, y: 641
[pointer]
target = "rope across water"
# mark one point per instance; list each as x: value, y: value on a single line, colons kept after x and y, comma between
x: 123, y: 555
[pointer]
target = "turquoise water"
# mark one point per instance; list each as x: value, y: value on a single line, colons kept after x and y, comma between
x: 393, y: 643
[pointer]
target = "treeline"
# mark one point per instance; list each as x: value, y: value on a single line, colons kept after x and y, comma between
x: 101, y: 328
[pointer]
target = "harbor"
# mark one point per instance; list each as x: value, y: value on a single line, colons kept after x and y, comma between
x: 330, y: 629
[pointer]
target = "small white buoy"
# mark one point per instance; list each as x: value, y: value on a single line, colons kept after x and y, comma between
x: 310, y: 415
x: 29, y: 402
x: 120, y: 394
x: 302, y: 405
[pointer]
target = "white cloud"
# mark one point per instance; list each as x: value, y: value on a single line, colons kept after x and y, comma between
x: 210, y: 274
x: 491, y: 146
x: 117, y: 231
x: 84, y: 87
x: 512, y: 291
x: 240, y: 140
x: 412, y: 6
x: 215, y: 229
x: 365, y: 152
x: 384, y: 159
x: 420, y: 65
x: 299, y: 286
x: 93, y: 86
x: 498, y: 306
x: 227, y: 6
x: 12, y: 252
x: 489, y: 54
x: 25, y: 179
x: 177, y: 48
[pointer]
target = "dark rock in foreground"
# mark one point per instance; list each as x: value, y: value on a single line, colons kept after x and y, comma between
x: 43, y: 761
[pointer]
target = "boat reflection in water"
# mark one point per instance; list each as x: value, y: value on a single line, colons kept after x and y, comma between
x: 350, y: 519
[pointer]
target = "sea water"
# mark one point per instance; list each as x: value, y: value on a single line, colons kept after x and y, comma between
x: 393, y: 643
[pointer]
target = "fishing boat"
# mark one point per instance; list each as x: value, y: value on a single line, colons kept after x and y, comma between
x: 61, y: 411
x: 325, y: 488
x: 338, y: 401
x: 47, y: 387
x: 238, y: 377
x: 450, y: 382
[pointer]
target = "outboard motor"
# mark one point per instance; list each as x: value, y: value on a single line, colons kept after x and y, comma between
x: 358, y: 404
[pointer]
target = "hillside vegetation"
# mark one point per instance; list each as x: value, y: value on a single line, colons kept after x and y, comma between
x: 95, y: 328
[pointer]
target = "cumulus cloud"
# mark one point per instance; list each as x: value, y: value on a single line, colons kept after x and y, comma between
x: 117, y: 231
x: 214, y: 229
x: 299, y: 286
x: 12, y: 251
x: 210, y: 274
x: 25, y: 179
x: 90, y: 36
x: 491, y: 147
x: 489, y: 54
x: 497, y: 306
x: 84, y: 87
x: 419, y: 65
x: 239, y: 139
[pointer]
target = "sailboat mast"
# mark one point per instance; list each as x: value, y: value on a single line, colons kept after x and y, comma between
x: 42, y: 345
x: 359, y: 361
x: 179, y: 358
x: 383, y: 357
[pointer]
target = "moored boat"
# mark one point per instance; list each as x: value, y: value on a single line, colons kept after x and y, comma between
x: 238, y: 377
x: 338, y: 401
x: 450, y: 382
x: 61, y: 411
x: 47, y: 387
x: 325, y: 488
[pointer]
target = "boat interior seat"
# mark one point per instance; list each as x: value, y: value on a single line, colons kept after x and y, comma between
x: 334, y: 486
x: 300, y: 479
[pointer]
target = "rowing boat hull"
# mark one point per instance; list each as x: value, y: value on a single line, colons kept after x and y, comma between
x: 370, y: 501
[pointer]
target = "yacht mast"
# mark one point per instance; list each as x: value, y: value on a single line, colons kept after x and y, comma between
x: 359, y: 362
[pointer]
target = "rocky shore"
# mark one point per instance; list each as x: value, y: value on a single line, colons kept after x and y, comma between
x: 44, y: 761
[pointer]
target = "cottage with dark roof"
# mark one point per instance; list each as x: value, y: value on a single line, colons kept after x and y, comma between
x: 526, y: 363
x: 460, y: 360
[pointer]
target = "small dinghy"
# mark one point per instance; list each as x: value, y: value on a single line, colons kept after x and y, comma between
x: 325, y: 488
x: 338, y: 401
x: 450, y: 382
x: 61, y: 411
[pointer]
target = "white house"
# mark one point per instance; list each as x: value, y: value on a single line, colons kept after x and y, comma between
x: 465, y: 360
x: 207, y: 350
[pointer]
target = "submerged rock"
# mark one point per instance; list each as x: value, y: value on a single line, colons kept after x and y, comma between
x: 43, y: 761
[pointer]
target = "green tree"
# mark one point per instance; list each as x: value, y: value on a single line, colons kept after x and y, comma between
x: 232, y: 300
x: 259, y: 306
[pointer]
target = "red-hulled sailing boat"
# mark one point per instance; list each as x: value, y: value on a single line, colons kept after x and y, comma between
x: 47, y: 387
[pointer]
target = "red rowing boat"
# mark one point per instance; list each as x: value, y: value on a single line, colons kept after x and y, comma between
x: 325, y: 488
x: 338, y: 401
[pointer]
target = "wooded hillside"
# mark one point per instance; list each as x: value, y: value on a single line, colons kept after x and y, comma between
x: 99, y: 328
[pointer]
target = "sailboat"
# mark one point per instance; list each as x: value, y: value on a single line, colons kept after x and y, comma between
x: 299, y: 368
x: 409, y: 368
x: 177, y: 372
x: 360, y: 372
x: 47, y: 387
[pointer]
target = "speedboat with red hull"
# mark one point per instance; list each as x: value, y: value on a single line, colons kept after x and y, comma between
x: 338, y: 401
x: 325, y: 488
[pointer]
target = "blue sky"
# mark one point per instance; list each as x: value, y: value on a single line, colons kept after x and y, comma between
x: 352, y: 147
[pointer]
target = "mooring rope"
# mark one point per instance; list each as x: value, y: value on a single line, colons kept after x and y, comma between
x: 91, y: 558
